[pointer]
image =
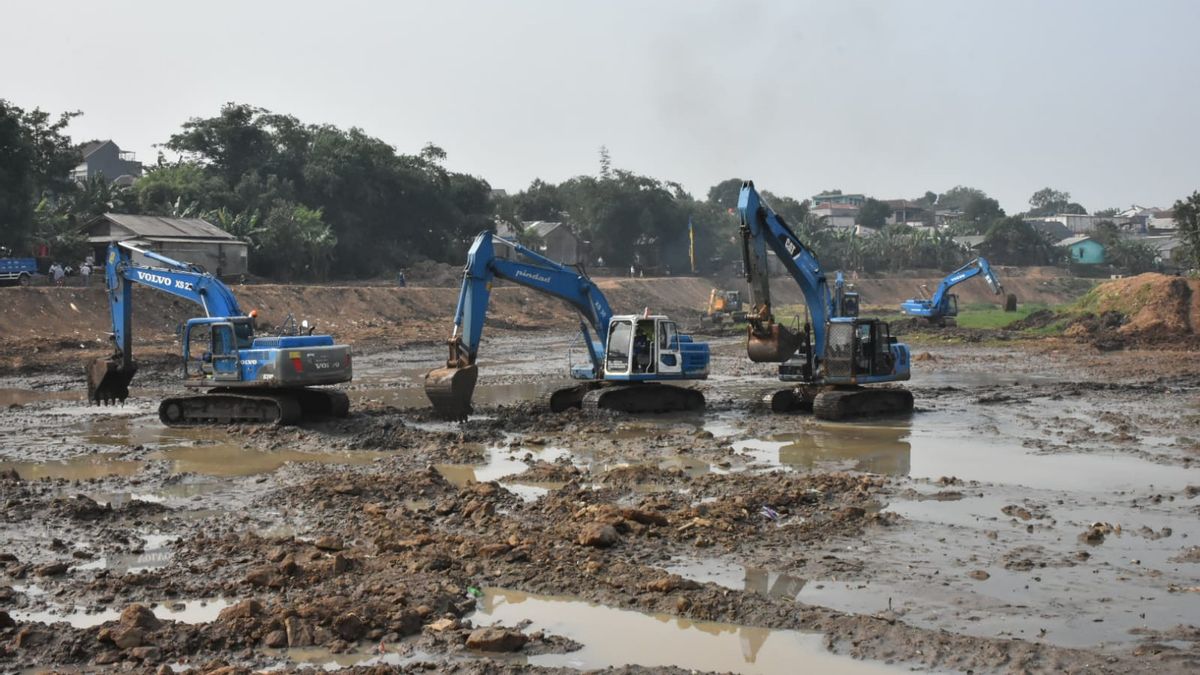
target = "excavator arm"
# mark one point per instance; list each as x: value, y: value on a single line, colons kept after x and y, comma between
x: 450, y: 389
x: 938, y: 304
x: 109, y: 378
x: 762, y: 228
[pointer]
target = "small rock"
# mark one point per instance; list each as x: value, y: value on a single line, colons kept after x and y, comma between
x: 246, y: 609
x: 52, y: 570
x: 980, y: 575
x: 263, y: 576
x: 149, y: 653
x: 128, y: 638
x: 340, y: 563
x: 276, y: 639
x: 349, y: 627
x: 598, y: 535
x: 329, y: 543
x: 443, y: 625
x: 108, y: 658
x: 6, y: 621
x: 139, y: 616
x: 671, y: 583
x: 496, y: 640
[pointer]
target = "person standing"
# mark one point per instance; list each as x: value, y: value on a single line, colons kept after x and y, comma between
x: 85, y: 273
x: 57, y: 273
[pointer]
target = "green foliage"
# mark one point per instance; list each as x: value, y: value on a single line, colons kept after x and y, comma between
x: 1132, y: 256
x: 382, y: 209
x: 1187, y: 220
x: 1012, y: 241
x: 981, y: 315
x: 956, y: 198
x: 873, y: 214
x: 1107, y: 213
x: 1048, y: 202
x: 295, y: 243
x: 36, y: 158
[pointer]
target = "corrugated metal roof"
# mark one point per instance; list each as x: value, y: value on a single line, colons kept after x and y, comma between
x: 157, y: 227
x: 1071, y: 241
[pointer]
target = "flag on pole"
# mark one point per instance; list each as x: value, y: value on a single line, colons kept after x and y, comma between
x: 692, y: 244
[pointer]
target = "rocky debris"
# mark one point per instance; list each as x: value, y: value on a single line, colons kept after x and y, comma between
x: 496, y: 640
x: 246, y: 609
x: 979, y: 575
x: 329, y: 543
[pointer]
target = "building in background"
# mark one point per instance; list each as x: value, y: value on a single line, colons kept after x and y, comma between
x: 1083, y: 250
x: 104, y: 158
x: 192, y: 240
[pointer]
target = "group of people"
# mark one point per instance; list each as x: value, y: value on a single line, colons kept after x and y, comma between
x: 58, y: 273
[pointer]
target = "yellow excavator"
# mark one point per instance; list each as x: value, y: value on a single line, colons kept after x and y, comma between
x: 723, y: 306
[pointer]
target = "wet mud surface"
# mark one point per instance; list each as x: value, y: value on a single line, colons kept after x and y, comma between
x: 1037, y: 513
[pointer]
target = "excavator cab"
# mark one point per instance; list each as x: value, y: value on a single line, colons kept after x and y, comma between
x: 858, y: 350
x: 642, y: 346
x: 952, y: 304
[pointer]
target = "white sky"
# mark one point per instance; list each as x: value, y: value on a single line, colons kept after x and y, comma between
x: 1094, y: 97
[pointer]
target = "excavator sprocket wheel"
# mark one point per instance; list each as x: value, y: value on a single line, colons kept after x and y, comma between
x: 107, y: 381
x: 842, y: 404
x: 450, y: 391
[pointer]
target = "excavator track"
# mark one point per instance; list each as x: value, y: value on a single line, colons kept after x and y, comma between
x: 643, y: 398
x: 280, y: 408
x: 841, y: 404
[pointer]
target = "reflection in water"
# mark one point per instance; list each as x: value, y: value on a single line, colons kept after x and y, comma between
x: 505, y: 462
x: 773, y: 585
x: 613, y: 637
x: 191, y: 611
x: 881, y: 449
x: 485, y: 395
x: 83, y: 467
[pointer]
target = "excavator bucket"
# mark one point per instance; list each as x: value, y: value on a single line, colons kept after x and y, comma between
x: 108, y: 381
x: 450, y: 390
x: 772, y: 344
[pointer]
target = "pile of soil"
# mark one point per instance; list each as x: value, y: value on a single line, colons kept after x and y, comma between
x: 1039, y: 319
x: 1146, y: 310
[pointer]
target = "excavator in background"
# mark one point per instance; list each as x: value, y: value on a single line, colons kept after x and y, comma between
x: 631, y: 358
x: 723, y: 305
x: 836, y: 352
x: 942, y: 306
x: 251, y: 379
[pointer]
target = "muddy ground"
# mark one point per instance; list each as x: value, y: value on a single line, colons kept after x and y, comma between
x: 1037, y: 513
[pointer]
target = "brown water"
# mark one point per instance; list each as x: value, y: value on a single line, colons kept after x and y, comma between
x: 614, y: 637
x: 187, y: 611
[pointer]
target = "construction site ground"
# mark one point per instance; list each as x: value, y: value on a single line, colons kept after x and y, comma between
x: 1038, y: 512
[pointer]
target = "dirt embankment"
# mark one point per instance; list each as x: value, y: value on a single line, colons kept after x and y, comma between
x: 40, y: 325
x: 1146, y: 310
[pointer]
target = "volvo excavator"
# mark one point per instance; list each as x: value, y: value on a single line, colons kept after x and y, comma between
x: 631, y: 358
x: 240, y: 377
x: 942, y: 306
x: 836, y: 353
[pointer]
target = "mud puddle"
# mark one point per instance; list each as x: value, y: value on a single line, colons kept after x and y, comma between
x: 182, y: 611
x: 506, y: 462
x: 615, y: 637
x: 931, y: 445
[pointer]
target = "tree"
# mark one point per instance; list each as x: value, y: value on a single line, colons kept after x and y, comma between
x: 1107, y: 213
x: 981, y: 211
x: 296, y: 243
x: 1187, y: 220
x: 956, y: 198
x: 36, y: 158
x: 873, y: 214
x: 1132, y: 256
x: 1048, y: 202
x: 725, y: 193
x: 1012, y: 241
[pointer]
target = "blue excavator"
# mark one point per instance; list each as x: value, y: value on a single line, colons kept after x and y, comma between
x: 240, y: 377
x: 836, y: 352
x: 942, y: 306
x: 632, y: 358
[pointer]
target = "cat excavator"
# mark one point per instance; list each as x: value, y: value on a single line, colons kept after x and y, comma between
x: 632, y: 358
x: 836, y: 353
x: 242, y: 378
